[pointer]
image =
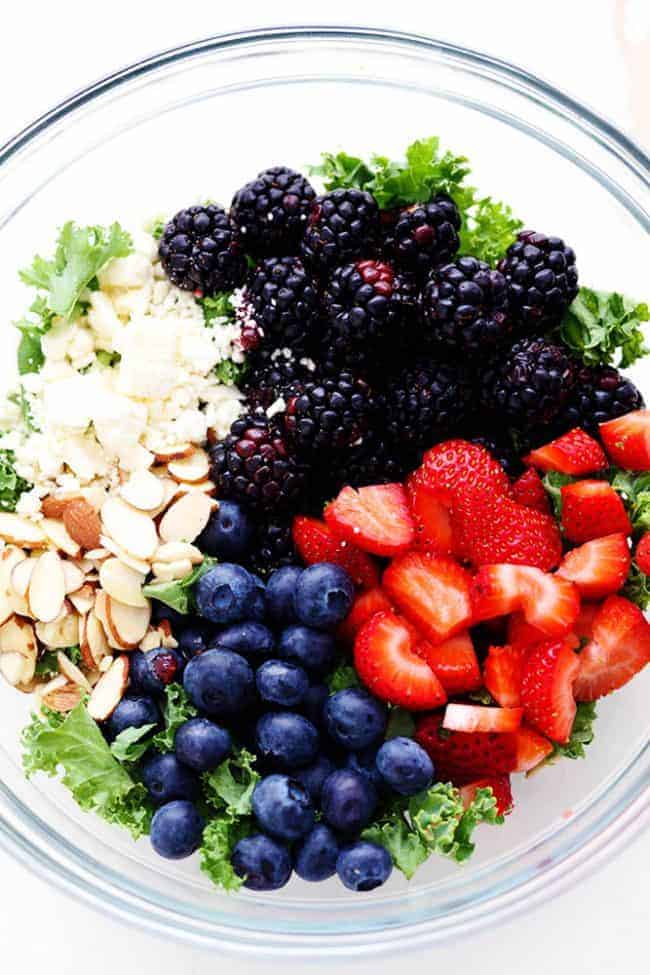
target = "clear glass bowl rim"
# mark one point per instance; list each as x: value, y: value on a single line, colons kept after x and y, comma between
x: 600, y: 831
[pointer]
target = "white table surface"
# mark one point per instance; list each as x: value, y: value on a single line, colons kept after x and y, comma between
x: 596, y: 49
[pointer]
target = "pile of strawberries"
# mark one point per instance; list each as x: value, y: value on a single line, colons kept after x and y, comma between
x: 466, y: 547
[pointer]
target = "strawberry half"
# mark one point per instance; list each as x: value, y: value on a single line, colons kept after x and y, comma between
x: 549, y: 603
x: 642, y: 554
x: 627, y: 440
x: 598, y: 568
x: 461, y: 756
x: 529, y: 490
x: 500, y: 785
x: 574, y: 452
x: 432, y: 518
x: 376, y: 519
x: 619, y: 649
x: 531, y: 749
x: 496, y: 529
x: 480, y: 719
x: 454, y: 662
x: 365, y: 605
x: 521, y: 634
x: 433, y: 592
x: 460, y: 467
x: 316, y: 543
x: 550, y: 670
x: 502, y: 672
x: 591, y: 509
x: 387, y: 664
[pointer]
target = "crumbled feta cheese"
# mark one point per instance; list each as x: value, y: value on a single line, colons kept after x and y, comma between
x: 277, y: 407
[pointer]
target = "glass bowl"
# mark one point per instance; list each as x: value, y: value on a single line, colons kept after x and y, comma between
x: 194, y: 123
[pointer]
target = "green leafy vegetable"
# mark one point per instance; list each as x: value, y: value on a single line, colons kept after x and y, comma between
x: 344, y: 676
x: 635, y: 491
x: 217, y: 308
x: 220, y: 837
x: 177, y: 709
x: 230, y: 373
x: 156, y: 226
x: 231, y: 785
x: 81, y: 252
x: 582, y: 734
x: 637, y: 587
x: 30, y: 356
x: 554, y: 482
x: 48, y: 665
x: 229, y: 790
x: 179, y: 594
x: 21, y: 401
x: 488, y: 229
x: 599, y: 324
x: 11, y: 485
x: 95, y: 778
x: 108, y: 359
x: 400, y: 724
x: 132, y: 743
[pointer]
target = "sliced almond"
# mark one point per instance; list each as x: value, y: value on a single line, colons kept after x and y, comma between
x: 73, y: 576
x: 186, y: 518
x: 101, y: 612
x: 192, y: 469
x: 83, y: 599
x: 122, y: 583
x: 173, y: 551
x: 21, y: 575
x: 106, y: 664
x: 62, y: 697
x: 165, y: 454
x: 59, y: 536
x: 143, y: 491
x: 21, y: 531
x: 109, y: 689
x: 47, y: 587
x: 170, y: 571
x: 95, y: 645
x: 84, y: 565
x: 83, y: 523
x: 133, y: 530
x: 16, y: 669
x: 167, y: 639
x: 71, y: 671
x: 201, y: 487
x: 128, y: 624
x: 150, y: 640
x: 97, y: 555
x: 61, y: 633
x: 54, y: 505
x: 17, y: 636
x: 138, y: 565
x: 10, y: 601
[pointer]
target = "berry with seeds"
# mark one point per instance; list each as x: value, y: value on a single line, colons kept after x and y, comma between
x: 316, y: 543
x: 627, y: 440
x: 598, y: 568
x: 591, y: 509
x: 530, y: 385
x: 600, y: 394
x: 200, y: 251
x: 375, y: 461
x: 343, y: 225
x: 502, y: 449
x: 575, y: 452
x: 367, y: 300
x: 271, y: 211
x: 376, y: 519
x: 273, y: 546
x: 329, y: 415
x: 529, y: 490
x: 426, y: 401
x: 542, y: 280
x: 549, y: 672
x: 642, y: 553
x: 281, y: 297
x: 619, y: 649
x: 424, y: 235
x: 271, y: 374
x: 500, y: 785
x: 465, y: 306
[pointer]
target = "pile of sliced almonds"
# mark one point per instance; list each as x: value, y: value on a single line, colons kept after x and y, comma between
x: 75, y: 577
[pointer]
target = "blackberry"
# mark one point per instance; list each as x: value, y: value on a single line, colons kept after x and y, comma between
x: 424, y: 235
x: 281, y: 297
x: 367, y: 300
x: 330, y: 414
x: 273, y: 546
x: 530, y: 385
x: 343, y: 226
x: 542, y: 280
x: 255, y: 466
x: 271, y: 211
x: 200, y: 251
x: 600, y: 394
x: 503, y: 450
x: 425, y: 402
x: 465, y: 306
x: 272, y: 373
x: 375, y: 461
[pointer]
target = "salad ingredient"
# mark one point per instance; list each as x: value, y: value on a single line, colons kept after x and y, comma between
x: 200, y: 252
x: 600, y: 323
x: 627, y: 440
x: 549, y: 673
x: 317, y: 854
x: 166, y: 779
x: 343, y: 225
x: 264, y: 862
x: 591, y: 509
x: 354, y: 718
x: 282, y: 298
x: 574, y: 452
x: 601, y: 393
x: 219, y: 682
x: 431, y: 516
x: 477, y: 718
x: 376, y: 518
x: 176, y: 830
x: 642, y: 553
x: 465, y: 306
x: 323, y: 597
x: 363, y: 866
x: 367, y: 300
x: 433, y: 592
x: 549, y: 603
x: 598, y: 568
x: 542, y: 280
x: 424, y: 235
x: 286, y: 740
x: 529, y: 490
x: 405, y: 766
x: 454, y: 662
x: 618, y: 649
x: 502, y: 674
x: 316, y: 543
x: 330, y: 414
x: 271, y: 211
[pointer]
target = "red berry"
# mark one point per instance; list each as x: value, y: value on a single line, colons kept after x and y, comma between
x: 529, y: 491
x: 454, y: 662
x: 432, y: 518
x: 502, y: 672
x: 574, y: 452
x: 500, y: 785
x: 550, y: 670
x: 642, y: 554
x: 433, y: 592
x: 619, y: 649
x: 365, y: 605
x: 591, y: 509
x: 477, y: 718
x: 376, y: 519
x: 627, y: 440
x: 316, y: 543
x: 598, y: 568
x: 549, y: 603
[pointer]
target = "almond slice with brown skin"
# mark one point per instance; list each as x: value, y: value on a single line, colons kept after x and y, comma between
x: 131, y: 529
x: 18, y: 650
x: 138, y: 565
x: 61, y: 633
x: 21, y: 531
x: 83, y: 599
x: 143, y: 491
x: 95, y: 645
x: 61, y: 695
x: 128, y: 624
x: 11, y: 602
x: 15, y: 668
x: 192, y: 469
x: 60, y: 538
x: 73, y: 576
x: 82, y: 523
x: 21, y: 575
x: 47, y: 587
x: 201, y: 487
x: 122, y: 583
x: 186, y: 518
x: 164, y: 454
x: 101, y: 611
x: 109, y: 689
x: 72, y: 672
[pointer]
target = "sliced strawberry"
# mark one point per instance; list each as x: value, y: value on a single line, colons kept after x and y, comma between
x: 521, y: 634
x: 496, y: 529
x: 627, y: 440
x: 502, y: 672
x: 531, y: 748
x: 432, y: 518
x: 591, y: 509
x: 376, y: 519
x: 642, y: 554
x: 584, y: 625
x: 461, y: 467
x: 478, y: 718
x: 574, y: 452
x: 500, y: 785
x: 388, y: 666
x: 316, y: 543
x: 549, y: 603
x: 550, y: 670
x: 365, y: 605
x: 454, y: 662
x: 598, y: 568
x: 529, y: 490
x: 462, y: 756
x: 618, y: 649
x: 432, y: 591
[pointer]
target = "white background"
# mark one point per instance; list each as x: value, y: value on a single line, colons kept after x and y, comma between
x: 599, y: 50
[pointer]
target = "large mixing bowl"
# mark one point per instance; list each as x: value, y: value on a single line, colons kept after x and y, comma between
x: 195, y: 123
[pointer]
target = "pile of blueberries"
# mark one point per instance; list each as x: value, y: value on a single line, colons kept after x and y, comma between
x: 254, y: 664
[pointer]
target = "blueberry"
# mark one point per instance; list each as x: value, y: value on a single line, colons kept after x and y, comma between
x: 280, y: 590
x: 281, y: 682
x: 152, y: 671
x: 133, y: 711
x: 364, y: 763
x: 316, y: 855
x: 310, y: 648
x: 219, y: 682
x: 252, y: 640
x: 354, y: 718
x: 313, y: 703
x: 165, y: 778
x: 283, y: 807
x: 257, y: 607
x: 348, y: 800
x: 264, y: 863
x: 364, y: 866
x: 286, y: 740
x: 225, y: 594
x: 160, y: 612
x: 313, y: 776
x: 176, y: 830
x: 195, y: 638
x: 229, y: 533
x: 324, y: 595
x: 405, y: 766
x: 201, y: 744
